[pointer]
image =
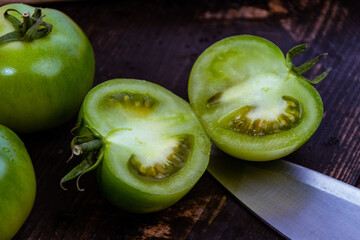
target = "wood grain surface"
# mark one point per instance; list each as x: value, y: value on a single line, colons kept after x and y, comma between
x: 158, y: 41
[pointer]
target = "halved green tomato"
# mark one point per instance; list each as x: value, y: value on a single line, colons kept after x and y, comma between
x: 146, y: 143
x: 254, y: 103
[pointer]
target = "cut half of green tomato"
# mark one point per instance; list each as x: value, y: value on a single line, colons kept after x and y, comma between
x: 254, y: 103
x: 147, y: 144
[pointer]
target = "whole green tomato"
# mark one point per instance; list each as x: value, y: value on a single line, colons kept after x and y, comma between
x: 17, y: 183
x: 46, y: 67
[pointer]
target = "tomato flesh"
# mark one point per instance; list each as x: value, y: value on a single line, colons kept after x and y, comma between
x: 251, y: 104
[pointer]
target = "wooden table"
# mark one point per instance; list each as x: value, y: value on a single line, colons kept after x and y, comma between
x: 159, y: 41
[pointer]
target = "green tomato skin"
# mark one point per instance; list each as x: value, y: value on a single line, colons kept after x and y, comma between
x: 123, y: 188
x: 121, y: 192
x: 43, y: 82
x: 17, y: 183
x: 246, y: 59
x: 121, y: 195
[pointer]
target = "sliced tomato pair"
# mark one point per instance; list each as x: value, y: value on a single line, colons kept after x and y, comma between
x: 148, y: 145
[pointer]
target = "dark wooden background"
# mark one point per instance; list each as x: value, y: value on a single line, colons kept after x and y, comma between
x: 158, y: 41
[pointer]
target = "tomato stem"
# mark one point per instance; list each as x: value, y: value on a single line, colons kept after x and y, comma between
x: 90, y: 149
x: 32, y: 27
x: 90, y: 146
x: 27, y: 20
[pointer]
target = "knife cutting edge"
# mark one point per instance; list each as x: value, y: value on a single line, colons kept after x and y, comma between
x: 297, y: 202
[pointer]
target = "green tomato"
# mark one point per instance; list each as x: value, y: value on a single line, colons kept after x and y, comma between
x: 254, y: 103
x: 44, y: 81
x: 146, y: 143
x: 17, y: 183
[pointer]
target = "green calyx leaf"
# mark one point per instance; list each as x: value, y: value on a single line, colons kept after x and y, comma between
x: 90, y: 162
x: 89, y: 148
x: 32, y: 27
x: 306, y: 66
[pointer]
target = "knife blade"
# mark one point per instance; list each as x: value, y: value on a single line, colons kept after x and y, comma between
x: 295, y: 201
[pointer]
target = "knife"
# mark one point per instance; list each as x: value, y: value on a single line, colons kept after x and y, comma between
x: 297, y: 202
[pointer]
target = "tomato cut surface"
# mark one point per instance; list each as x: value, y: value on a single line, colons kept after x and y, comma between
x: 17, y: 183
x: 254, y: 103
x: 153, y: 148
